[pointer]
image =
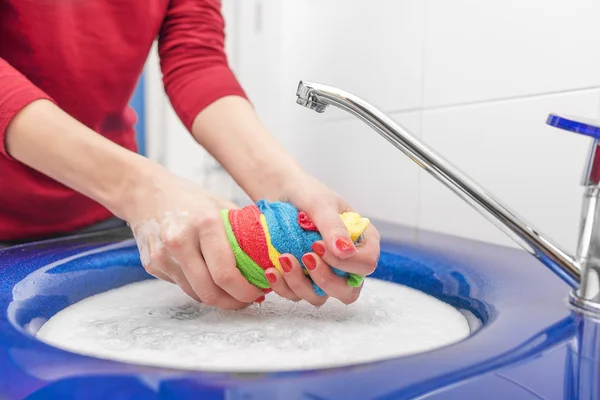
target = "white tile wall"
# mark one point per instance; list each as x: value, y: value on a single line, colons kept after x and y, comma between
x: 479, y: 50
x: 373, y: 49
x: 374, y: 177
x: 475, y: 79
x: 506, y: 146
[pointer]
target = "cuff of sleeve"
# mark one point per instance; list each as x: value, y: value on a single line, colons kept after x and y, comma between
x: 12, y: 105
x: 203, y: 89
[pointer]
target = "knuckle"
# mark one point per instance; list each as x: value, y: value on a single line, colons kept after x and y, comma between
x: 146, y: 262
x: 246, y: 296
x: 374, y: 263
x: 280, y: 290
x: 324, y: 281
x: 211, y: 299
x: 164, y: 261
x: 371, y: 266
x: 338, y: 223
x: 294, y: 284
x: 174, y: 242
x: 367, y: 263
x: 206, y: 223
x: 152, y: 271
x: 157, y: 260
x: 176, y: 277
x: 188, y: 290
x: 224, y: 277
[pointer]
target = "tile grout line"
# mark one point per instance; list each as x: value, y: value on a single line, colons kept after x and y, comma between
x: 459, y: 105
x: 511, y: 98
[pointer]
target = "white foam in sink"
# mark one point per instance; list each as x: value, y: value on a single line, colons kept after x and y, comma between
x: 154, y: 323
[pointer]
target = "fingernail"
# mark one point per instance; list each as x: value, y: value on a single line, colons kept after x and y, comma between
x: 267, y: 291
x: 309, y: 261
x: 344, y: 244
x: 260, y: 299
x: 286, y: 264
x: 271, y: 277
x: 319, y: 249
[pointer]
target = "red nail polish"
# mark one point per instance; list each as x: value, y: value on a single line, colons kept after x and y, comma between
x: 319, y: 249
x: 271, y: 277
x: 260, y: 299
x: 267, y: 291
x: 286, y: 264
x: 309, y: 261
x: 344, y: 244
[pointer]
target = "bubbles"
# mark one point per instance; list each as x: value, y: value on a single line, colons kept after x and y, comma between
x: 186, y: 313
x: 253, y: 336
x: 143, y: 330
x: 373, y: 300
x: 113, y: 328
x: 224, y: 339
x: 206, y: 338
x: 154, y: 322
x: 284, y: 344
x: 377, y: 316
x: 309, y: 338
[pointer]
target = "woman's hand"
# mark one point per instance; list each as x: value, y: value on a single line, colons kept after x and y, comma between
x: 231, y: 131
x: 323, y: 207
x: 182, y: 240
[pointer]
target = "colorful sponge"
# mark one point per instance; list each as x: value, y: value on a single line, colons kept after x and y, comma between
x: 259, y: 234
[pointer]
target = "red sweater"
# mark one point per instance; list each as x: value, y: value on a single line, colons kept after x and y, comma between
x: 87, y: 56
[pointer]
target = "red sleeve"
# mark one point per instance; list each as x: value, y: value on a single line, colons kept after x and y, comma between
x: 16, y: 92
x: 193, y: 60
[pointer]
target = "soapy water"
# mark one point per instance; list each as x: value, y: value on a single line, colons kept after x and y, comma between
x: 154, y: 323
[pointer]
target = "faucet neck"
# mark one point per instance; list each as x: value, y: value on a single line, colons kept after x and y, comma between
x: 317, y: 97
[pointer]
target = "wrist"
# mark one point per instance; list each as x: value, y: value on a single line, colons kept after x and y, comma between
x: 269, y: 175
x: 137, y: 184
x: 231, y: 132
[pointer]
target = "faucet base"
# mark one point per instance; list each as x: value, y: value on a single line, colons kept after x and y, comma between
x: 585, y: 307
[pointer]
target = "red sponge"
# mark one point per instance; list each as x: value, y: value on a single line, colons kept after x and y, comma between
x: 250, y: 235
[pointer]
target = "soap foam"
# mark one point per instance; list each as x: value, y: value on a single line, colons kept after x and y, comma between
x: 153, y: 322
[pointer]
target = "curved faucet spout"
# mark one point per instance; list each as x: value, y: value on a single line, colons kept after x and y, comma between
x: 317, y: 97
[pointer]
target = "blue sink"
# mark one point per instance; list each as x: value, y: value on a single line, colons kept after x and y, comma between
x: 521, y: 344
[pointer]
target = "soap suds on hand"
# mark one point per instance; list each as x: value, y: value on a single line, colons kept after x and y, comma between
x: 154, y: 323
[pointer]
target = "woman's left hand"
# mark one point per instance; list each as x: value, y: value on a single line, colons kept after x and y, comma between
x: 323, y: 207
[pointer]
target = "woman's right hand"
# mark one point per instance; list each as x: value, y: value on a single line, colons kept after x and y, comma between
x: 181, y: 238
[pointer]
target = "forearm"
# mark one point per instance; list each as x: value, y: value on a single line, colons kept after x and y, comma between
x: 230, y: 130
x: 45, y: 138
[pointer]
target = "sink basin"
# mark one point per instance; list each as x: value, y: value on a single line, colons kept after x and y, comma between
x: 518, y: 346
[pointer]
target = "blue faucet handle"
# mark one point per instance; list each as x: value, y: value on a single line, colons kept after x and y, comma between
x: 587, y: 127
x: 584, y: 126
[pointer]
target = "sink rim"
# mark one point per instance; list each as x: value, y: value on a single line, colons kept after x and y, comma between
x: 506, y: 297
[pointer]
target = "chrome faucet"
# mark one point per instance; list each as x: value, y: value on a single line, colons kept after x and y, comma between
x: 581, y: 272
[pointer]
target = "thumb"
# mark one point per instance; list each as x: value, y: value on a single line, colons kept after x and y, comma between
x: 335, y: 235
